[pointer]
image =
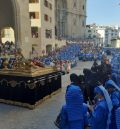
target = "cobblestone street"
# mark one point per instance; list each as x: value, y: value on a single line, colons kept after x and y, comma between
x: 13, y: 117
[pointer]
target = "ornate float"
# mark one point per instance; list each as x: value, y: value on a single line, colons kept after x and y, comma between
x: 27, y: 84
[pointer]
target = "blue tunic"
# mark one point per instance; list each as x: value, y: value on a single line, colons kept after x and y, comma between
x: 115, y: 97
x: 74, y: 113
x: 100, y: 115
x: 76, y: 124
x: 114, y: 78
x: 116, y: 103
x: 118, y: 118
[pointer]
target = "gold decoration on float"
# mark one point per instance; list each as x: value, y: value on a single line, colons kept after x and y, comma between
x: 42, y: 82
x: 5, y: 64
x: 24, y: 67
x: 13, y: 83
x: 32, y: 86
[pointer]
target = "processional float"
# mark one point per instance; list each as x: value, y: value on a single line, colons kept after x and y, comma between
x: 26, y: 84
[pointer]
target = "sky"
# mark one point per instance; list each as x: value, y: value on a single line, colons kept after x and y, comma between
x: 103, y: 12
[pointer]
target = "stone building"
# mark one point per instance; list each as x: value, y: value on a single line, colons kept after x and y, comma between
x: 70, y: 19
x: 14, y: 13
x: 111, y: 33
x: 42, y: 16
x: 93, y: 35
x: 115, y: 43
x: 105, y: 33
x: 38, y: 24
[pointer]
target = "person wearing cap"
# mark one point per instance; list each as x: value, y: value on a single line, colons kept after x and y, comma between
x: 101, y: 112
x: 114, y: 92
x: 73, y: 113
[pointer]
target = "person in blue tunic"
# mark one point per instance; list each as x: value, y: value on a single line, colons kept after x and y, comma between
x: 118, y: 118
x: 100, y: 115
x: 114, y: 92
x: 73, y: 114
x: 114, y: 77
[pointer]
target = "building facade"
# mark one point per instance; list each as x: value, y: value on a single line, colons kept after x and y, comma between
x: 42, y: 19
x: 111, y: 32
x: 70, y: 19
x: 115, y: 43
x: 41, y: 25
x: 104, y: 33
x: 14, y: 14
x: 93, y: 35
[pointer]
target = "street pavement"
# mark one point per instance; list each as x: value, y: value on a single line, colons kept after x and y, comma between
x: 13, y: 117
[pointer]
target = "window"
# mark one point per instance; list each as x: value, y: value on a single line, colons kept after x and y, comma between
x: 83, y: 24
x: 48, y: 33
x: 33, y: 1
x: 34, y: 15
x: 74, y: 6
x: 50, y: 19
x: 46, y: 3
x: 50, y: 5
x: 74, y: 23
x: 83, y: 7
x: 89, y: 36
x: 89, y: 31
x: 46, y: 17
x: 34, y: 32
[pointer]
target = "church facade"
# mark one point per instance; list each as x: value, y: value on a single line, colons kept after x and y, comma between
x: 70, y: 19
